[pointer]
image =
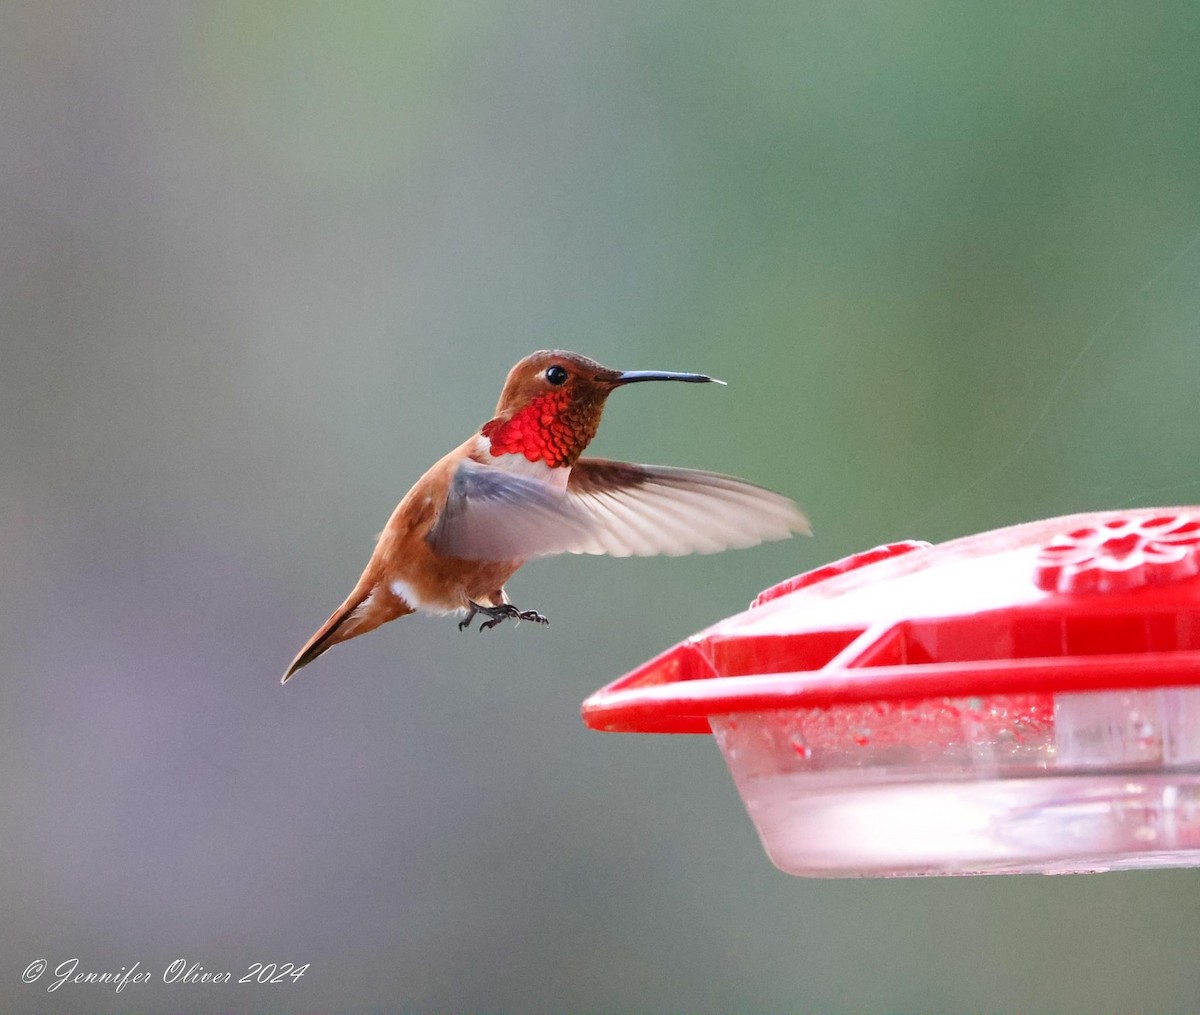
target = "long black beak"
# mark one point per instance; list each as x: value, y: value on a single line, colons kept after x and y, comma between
x: 633, y: 376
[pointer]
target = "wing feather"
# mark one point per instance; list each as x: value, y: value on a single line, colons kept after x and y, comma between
x: 677, y: 511
x: 493, y: 514
x: 608, y: 507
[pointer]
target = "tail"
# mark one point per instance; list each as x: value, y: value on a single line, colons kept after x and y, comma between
x: 360, y: 613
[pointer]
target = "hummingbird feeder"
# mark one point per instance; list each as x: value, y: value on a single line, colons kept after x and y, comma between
x: 1024, y: 700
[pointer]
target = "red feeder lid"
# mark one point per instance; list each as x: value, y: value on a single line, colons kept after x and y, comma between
x: 1109, y: 600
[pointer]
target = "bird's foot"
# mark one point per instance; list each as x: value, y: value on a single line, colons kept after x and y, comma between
x: 498, y: 614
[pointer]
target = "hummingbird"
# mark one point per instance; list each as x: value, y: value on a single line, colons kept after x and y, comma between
x: 518, y: 488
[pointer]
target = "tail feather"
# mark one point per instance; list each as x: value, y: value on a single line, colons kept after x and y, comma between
x: 353, y: 617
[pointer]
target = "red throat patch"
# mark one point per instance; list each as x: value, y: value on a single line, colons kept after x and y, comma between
x: 554, y: 428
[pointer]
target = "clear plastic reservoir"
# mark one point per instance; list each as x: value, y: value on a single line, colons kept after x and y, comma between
x: 1010, y: 784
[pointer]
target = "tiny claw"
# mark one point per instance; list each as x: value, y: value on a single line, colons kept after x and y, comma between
x: 498, y: 614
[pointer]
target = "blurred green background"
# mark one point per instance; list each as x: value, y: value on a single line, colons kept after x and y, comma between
x: 262, y: 263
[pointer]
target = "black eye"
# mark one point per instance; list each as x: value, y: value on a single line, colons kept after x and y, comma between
x: 556, y: 375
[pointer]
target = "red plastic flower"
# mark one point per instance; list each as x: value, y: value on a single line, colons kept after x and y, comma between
x: 1122, y: 553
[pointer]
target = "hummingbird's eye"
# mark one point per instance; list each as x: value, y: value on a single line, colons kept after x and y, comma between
x: 556, y: 375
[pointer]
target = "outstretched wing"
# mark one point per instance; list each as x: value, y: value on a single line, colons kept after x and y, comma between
x: 493, y: 514
x: 644, y: 510
x: 608, y: 507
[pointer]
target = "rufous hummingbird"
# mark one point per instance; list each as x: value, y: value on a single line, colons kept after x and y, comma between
x: 518, y: 489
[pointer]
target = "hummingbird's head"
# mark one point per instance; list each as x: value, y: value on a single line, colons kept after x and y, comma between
x: 550, y: 407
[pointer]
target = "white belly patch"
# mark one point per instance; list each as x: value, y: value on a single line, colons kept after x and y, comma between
x: 521, y: 466
x: 405, y: 591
